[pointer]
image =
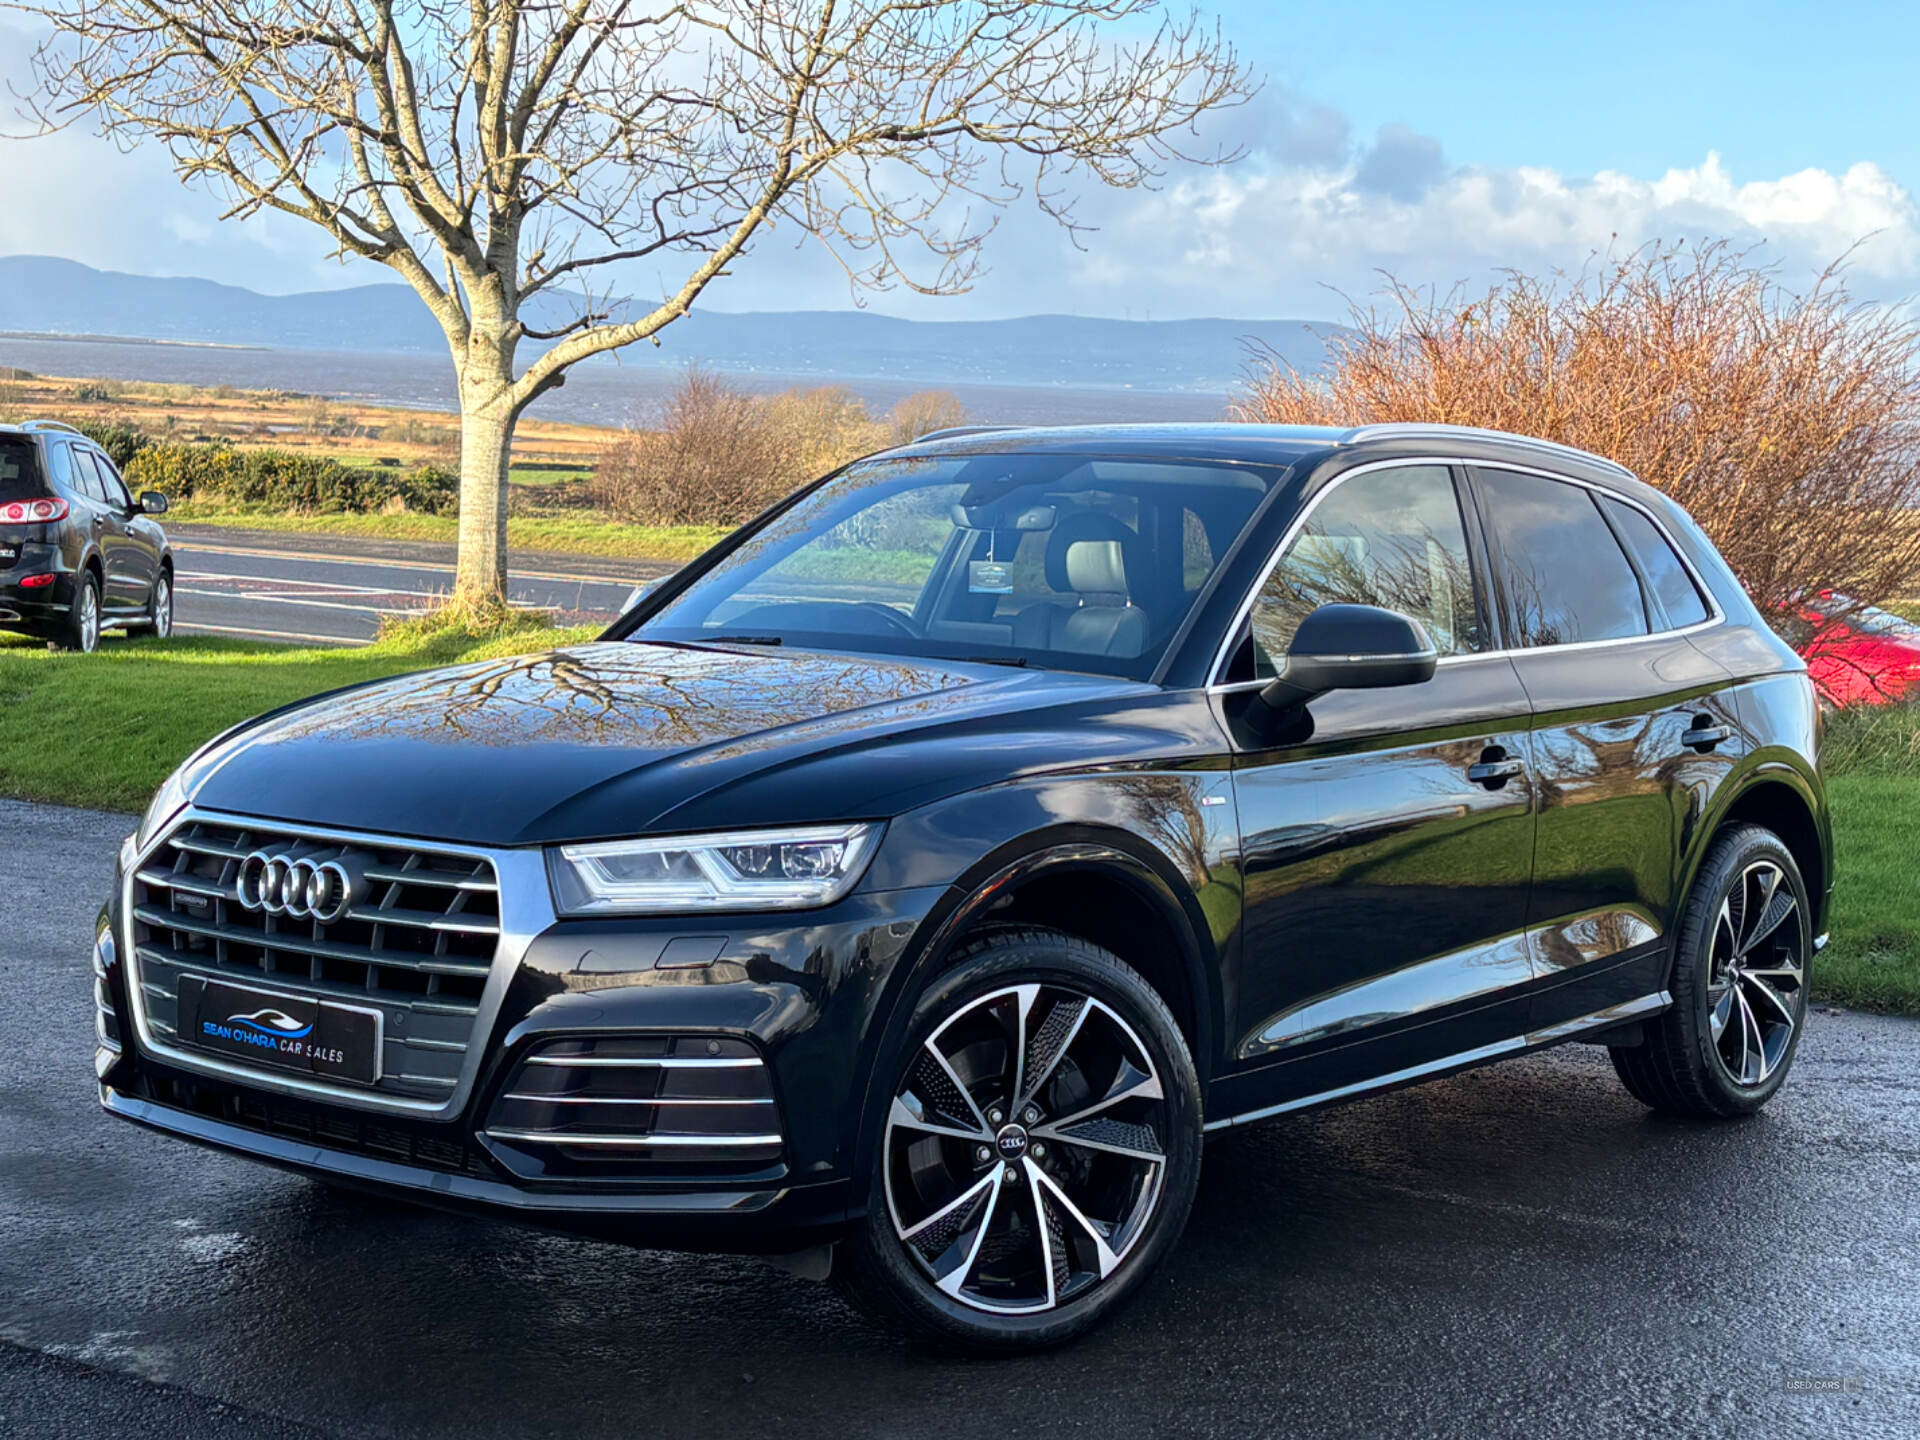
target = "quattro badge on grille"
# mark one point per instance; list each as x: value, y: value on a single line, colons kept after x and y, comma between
x: 300, y: 887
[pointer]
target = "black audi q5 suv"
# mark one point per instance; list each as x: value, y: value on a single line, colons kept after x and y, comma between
x: 910, y: 884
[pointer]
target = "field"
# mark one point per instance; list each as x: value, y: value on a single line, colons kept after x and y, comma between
x: 543, y: 451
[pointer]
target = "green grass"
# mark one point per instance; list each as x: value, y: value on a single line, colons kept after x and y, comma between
x: 108, y: 728
x: 1874, y: 960
x: 586, y: 535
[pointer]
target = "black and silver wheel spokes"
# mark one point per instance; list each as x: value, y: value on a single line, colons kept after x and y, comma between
x: 1756, y: 990
x: 1023, y: 1151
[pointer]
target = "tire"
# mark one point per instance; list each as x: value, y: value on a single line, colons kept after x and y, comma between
x: 1742, y: 962
x: 82, y: 629
x: 160, y: 606
x: 1026, y: 1231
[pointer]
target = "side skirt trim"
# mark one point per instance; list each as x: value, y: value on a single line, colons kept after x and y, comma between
x: 1533, y: 1040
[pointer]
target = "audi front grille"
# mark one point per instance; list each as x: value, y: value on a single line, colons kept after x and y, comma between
x: 409, y: 931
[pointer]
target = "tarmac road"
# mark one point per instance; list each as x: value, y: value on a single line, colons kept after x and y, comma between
x: 323, y: 589
x: 1520, y: 1251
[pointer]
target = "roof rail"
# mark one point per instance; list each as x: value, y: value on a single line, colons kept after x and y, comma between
x: 1416, y: 429
x: 953, y: 432
x: 52, y: 425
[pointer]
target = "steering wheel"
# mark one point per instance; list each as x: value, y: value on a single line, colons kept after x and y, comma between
x: 900, y: 623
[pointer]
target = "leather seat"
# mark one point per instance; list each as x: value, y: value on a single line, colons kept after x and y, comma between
x: 1087, y: 555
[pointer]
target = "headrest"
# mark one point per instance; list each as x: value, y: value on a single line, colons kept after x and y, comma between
x: 1072, y: 528
x: 1097, y: 567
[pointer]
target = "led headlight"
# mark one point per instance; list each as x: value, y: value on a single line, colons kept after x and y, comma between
x: 755, y: 870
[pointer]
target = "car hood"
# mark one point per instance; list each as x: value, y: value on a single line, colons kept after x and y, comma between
x: 617, y: 739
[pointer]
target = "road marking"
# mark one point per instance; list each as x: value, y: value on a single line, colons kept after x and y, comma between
x: 346, y: 640
x: 193, y: 547
x: 305, y: 602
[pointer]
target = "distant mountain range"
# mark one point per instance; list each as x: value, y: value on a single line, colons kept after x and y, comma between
x: 42, y: 295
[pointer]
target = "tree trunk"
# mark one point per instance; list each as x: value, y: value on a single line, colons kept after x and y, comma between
x: 486, y: 442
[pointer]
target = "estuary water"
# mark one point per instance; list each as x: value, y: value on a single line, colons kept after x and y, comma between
x: 600, y: 393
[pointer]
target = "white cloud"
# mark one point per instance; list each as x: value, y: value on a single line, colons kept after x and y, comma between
x: 1264, y: 239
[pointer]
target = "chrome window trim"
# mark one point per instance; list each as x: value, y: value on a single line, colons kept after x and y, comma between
x: 1224, y: 655
x: 526, y: 909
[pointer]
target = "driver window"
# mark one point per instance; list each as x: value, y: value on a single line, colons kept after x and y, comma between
x: 110, y: 482
x: 1392, y: 538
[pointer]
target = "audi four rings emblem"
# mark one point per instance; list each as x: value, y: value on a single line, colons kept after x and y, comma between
x: 299, y: 887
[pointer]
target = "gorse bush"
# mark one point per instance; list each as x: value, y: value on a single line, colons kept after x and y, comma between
x: 286, y: 481
x: 1785, y: 422
x: 716, y: 455
x: 121, y: 442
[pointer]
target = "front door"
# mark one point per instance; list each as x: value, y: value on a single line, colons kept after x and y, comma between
x: 1387, y: 855
x: 1632, y: 729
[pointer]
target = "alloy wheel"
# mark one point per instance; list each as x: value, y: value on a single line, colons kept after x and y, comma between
x: 162, y: 608
x: 89, y: 620
x: 1756, y: 991
x: 1024, y: 1149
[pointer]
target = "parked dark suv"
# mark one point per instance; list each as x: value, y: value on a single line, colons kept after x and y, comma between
x: 77, y: 553
x: 926, y: 869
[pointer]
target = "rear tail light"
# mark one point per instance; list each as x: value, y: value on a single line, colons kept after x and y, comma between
x: 36, y: 582
x: 32, y: 512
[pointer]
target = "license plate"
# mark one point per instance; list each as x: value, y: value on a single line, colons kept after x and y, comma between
x: 281, y: 1032
x: 9, y: 554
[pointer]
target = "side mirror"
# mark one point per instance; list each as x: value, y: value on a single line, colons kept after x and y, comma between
x: 637, y: 594
x: 152, y: 502
x: 1351, y: 647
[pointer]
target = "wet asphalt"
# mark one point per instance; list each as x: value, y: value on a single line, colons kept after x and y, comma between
x: 1521, y: 1251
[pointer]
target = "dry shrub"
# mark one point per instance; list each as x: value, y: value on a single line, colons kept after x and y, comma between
x: 1787, y: 423
x: 922, y: 413
x: 716, y: 455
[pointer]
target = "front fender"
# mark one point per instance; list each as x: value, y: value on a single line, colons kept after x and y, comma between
x: 1170, y: 836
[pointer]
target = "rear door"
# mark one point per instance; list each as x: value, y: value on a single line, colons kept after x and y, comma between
x: 1632, y: 729
x: 1387, y: 855
x: 121, y: 554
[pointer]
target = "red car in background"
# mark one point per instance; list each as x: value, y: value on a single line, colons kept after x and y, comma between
x: 1857, y: 654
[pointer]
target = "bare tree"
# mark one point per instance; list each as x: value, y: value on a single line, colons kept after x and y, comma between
x: 493, y: 152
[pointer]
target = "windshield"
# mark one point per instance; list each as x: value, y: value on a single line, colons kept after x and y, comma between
x: 1055, y: 560
x: 19, y: 470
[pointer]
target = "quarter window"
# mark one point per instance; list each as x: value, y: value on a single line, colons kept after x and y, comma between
x: 1565, y: 576
x: 1666, y: 576
x: 1392, y: 538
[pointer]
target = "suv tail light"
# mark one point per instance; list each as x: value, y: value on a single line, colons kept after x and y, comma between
x: 32, y: 512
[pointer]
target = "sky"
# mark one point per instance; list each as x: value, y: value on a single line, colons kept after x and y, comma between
x: 1435, y: 143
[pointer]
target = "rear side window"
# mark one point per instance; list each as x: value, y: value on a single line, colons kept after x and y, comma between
x: 87, y: 479
x: 1565, y: 577
x: 1666, y: 575
x: 19, y: 470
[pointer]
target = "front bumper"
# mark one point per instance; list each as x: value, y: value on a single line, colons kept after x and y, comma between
x: 801, y: 991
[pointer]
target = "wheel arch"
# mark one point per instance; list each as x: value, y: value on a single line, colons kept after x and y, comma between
x: 1779, y: 798
x: 1087, y: 881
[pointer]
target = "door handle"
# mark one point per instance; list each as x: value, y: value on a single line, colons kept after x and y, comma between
x: 1495, y: 768
x: 1703, y: 737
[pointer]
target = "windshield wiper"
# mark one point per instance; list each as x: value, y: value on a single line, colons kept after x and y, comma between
x: 746, y: 640
x: 1017, y: 662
